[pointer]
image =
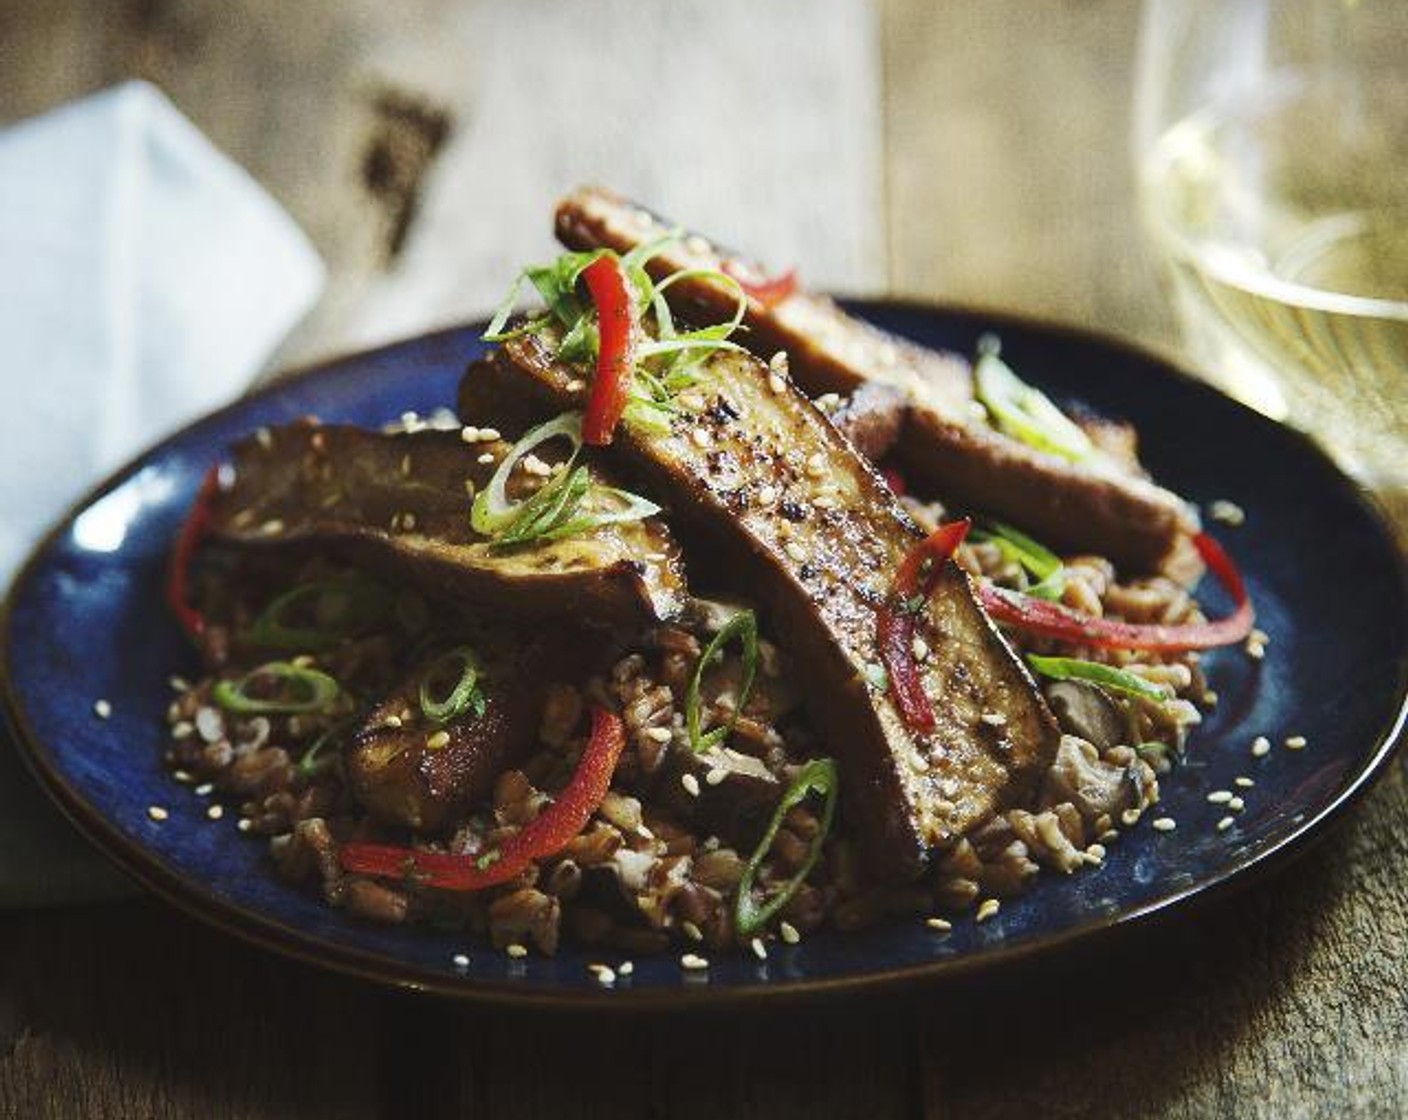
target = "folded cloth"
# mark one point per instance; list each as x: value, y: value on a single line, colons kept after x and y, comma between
x: 145, y: 279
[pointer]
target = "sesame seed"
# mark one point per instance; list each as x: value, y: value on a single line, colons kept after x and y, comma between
x: 393, y: 721
x: 1236, y: 804
x: 532, y: 465
x: 438, y: 741
x: 102, y: 709
x: 1261, y: 746
x: 920, y: 648
x: 576, y: 385
x: 789, y: 933
x: 183, y: 729
x: 516, y: 951
x: 205, y: 789
x: 604, y: 973
x: 1109, y: 835
x: 796, y: 551
x: 1255, y: 650
x: 715, y: 776
x: 178, y: 684
x: 244, y: 824
x: 1165, y: 824
x: 778, y: 363
x: 1243, y: 783
x: 264, y: 437
x: 215, y: 812
x: 692, y: 931
x: 693, y: 962
x: 658, y: 734
x: 1220, y: 796
x: 1225, y: 823
x: 488, y: 435
x: 1096, y: 852
x: 157, y: 813
x: 486, y: 458
x: 700, y: 437
x: 767, y: 495
x: 691, y: 785
x: 1261, y: 637
x: 828, y: 402
x: 460, y: 960
x: 1295, y: 743
x: 408, y: 521
x: 696, y: 244
x: 994, y: 719
x: 824, y: 501
x: 272, y: 527
x: 469, y: 433
x: 644, y: 833
x: 1130, y: 816
x: 625, y: 968
x: 405, y: 464
x: 816, y: 465
x: 1229, y: 513
x: 939, y: 925
x: 988, y: 909
x: 759, y: 949
x: 776, y: 383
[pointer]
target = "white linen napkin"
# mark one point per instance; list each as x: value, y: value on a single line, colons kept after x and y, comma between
x: 144, y: 279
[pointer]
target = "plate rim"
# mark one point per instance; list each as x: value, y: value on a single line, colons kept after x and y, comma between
x: 197, y: 900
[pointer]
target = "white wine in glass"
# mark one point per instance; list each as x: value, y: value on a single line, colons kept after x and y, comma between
x: 1272, y: 141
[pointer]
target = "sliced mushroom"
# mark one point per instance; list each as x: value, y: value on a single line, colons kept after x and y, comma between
x: 1088, y: 711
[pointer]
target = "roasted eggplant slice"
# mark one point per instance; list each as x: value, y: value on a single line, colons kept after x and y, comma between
x: 808, y: 525
x: 872, y: 419
x: 1101, y: 505
x: 399, y: 505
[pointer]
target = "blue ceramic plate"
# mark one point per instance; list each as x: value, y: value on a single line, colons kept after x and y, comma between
x: 85, y: 620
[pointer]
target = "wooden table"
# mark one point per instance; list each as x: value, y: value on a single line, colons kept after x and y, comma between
x: 969, y: 152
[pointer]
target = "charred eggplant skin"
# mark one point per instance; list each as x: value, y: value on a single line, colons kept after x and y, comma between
x: 398, y: 505
x: 1109, y: 508
x: 817, y: 536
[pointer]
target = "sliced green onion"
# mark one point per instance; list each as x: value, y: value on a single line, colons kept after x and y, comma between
x: 1023, y: 411
x: 492, y: 512
x: 1153, y: 752
x: 464, y: 695
x: 744, y: 627
x: 339, y: 609
x: 1074, y: 669
x: 304, y: 690
x: 568, y: 504
x: 1036, y: 559
x: 310, y: 762
x: 556, y: 284
x: 818, y: 777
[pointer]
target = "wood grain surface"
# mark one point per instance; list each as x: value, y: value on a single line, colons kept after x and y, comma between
x: 965, y: 151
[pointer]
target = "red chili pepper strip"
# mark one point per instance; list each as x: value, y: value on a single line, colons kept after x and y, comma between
x: 894, y: 637
x: 547, y: 835
x: 193, y: 532
x: 616, y: 343
x: 1037, y: 616
x: 895, y: 481
x: 767, y: 290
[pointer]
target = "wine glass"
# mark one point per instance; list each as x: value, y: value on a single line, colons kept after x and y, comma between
x: 1271, y: 140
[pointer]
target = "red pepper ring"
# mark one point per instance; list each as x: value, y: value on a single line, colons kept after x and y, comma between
x: 545, y: 836
x: 1037, y: 616
x: 894, y: 631
x: 616, y: 343
x: 767, y: 290
x: 193, y: 533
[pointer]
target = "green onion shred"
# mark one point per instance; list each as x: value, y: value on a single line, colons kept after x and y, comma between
x: 300, y: 689
x: 819, y: 778
x: 1107, y: 676
x: 465, y: 694
x: 744, y: 627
